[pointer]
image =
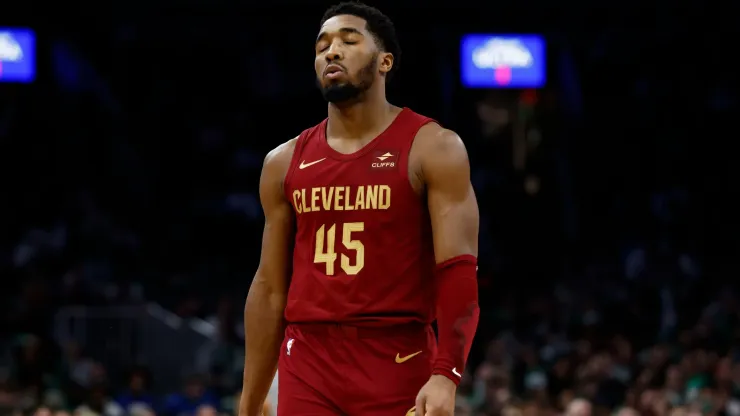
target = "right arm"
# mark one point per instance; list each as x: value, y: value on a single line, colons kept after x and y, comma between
x: 265, y: 306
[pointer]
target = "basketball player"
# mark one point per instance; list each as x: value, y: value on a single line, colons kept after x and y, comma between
x: 376, y: 208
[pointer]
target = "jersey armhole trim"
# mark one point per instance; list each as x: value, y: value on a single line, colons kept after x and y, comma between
x: 300, y: 142
x: 406, y: 151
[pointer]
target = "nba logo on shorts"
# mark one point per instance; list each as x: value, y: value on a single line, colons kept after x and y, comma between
x: 289, y: 345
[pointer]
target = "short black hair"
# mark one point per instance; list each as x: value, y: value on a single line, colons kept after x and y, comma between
x: 378, y: 24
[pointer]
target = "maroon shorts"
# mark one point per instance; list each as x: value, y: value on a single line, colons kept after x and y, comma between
x: 344, y: 370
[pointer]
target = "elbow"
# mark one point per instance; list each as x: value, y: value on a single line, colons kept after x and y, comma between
x: 267, y: 294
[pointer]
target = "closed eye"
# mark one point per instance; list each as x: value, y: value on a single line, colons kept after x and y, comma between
x: 347, y: 42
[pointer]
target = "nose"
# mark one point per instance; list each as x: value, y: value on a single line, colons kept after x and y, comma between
x: 333, y: 54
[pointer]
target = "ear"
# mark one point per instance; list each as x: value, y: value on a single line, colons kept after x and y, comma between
x: 386, y: 62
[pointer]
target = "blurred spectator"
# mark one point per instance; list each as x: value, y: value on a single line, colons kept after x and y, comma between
x: 99, y: 403
x: 195, y: 399
x: 137, y: 394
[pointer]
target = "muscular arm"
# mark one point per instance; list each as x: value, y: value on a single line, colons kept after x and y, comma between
x: 450, y: 196
x: 454, y: 214
x: 263, y: 312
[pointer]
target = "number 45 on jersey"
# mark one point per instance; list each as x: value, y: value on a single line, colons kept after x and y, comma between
x: 327, y: 237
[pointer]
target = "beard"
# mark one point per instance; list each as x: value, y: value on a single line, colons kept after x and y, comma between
x: 349, y: 92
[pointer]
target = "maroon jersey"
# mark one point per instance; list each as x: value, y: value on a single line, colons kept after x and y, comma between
x: 363, y: 248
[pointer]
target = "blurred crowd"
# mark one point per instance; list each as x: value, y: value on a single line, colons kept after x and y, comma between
x: 606, y: 253
x: 593, y: 347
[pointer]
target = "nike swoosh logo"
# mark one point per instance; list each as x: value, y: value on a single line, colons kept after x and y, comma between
x: 400, y: 360
x: 304, y: 165
x: 454, y: 371
x: 411, y: 412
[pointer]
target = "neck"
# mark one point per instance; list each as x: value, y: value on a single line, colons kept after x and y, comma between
x: 356, y: 119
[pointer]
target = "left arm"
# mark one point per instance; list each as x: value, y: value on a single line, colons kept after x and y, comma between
x: 453, y: 209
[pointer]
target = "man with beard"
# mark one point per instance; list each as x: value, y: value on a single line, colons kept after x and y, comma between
x: 376, y: 208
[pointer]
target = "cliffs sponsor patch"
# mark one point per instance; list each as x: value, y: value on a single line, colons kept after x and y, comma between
x: 384, y: 159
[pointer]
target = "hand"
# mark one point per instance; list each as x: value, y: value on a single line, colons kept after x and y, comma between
x: 437, y: 397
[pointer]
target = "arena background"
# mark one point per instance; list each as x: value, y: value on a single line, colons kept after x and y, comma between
x: 131, y: 225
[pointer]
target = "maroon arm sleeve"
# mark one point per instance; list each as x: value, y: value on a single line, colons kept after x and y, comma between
x: 457, y: 314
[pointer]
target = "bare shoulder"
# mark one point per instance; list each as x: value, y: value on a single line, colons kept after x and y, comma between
x: 275, y: 167
x: 437, y: 150
x: 281, y: 155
